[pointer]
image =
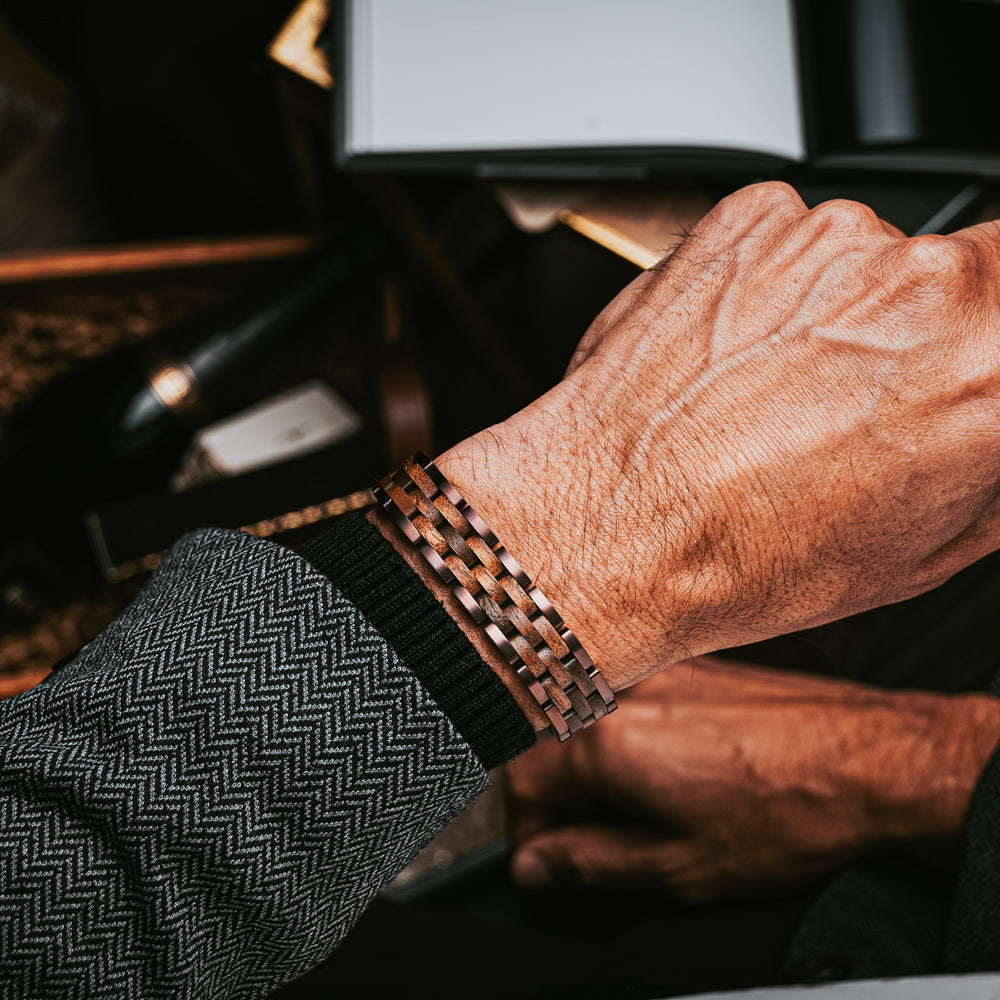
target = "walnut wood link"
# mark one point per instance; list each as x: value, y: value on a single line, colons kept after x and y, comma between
x: 498, y: 595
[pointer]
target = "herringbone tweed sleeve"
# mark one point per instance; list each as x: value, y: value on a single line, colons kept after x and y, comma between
x: 204, y: 800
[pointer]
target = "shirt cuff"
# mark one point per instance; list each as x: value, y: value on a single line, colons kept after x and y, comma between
x: 378, y: 581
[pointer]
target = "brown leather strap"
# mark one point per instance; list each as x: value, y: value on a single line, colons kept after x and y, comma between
x: 498, y: 595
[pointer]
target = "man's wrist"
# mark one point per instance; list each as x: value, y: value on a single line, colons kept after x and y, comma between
x: 635, y: 582
x: 923, y: 762
x: 486, y: 650
x: 508, y: 608
x: 521, y: 494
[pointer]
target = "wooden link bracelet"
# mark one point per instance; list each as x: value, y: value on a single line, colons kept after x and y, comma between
x: 498, y: 595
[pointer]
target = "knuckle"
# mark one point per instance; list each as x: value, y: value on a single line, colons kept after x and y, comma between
x: 766, y: 198
x: 839, y: 213
x: 931, y: 259
x: 771, y: 193
x: 754, y: 201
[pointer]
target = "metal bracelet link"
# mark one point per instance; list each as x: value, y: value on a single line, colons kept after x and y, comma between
x: 497, y: 594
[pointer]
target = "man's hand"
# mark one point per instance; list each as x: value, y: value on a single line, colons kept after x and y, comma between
x: 721, y: 779
x: 794, y: 418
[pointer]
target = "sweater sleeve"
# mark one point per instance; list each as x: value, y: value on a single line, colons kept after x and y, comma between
x: 204, y: 800
x: 376, y: 578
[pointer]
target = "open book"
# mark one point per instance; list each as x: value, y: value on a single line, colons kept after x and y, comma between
x: 571, y: 88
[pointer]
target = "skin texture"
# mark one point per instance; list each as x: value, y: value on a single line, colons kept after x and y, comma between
x: 793, y: 418
x: 719, y: 779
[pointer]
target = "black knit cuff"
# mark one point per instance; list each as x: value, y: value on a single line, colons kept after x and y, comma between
x: 376, y: 578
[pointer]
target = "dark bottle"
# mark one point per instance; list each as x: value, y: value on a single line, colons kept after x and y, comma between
x: 118, y: 425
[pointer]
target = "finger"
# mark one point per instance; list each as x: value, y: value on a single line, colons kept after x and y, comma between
x: 756, y: 209
x: 743, y: 210
x: 543, y: 787
x: 543, y: 773
x: 845, y: 216
x: 742, y: 224
x: 598, y: 855
x: 985, y: 236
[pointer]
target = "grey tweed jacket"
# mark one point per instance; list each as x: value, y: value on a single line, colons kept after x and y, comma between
x: 203, y: 801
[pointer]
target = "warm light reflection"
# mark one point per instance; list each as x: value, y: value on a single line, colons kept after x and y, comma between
x: 172, y: 386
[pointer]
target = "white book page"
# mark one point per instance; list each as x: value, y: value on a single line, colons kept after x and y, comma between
x: 970, y: 987
x: 468, y: 75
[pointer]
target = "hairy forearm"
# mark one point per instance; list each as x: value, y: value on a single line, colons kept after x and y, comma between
x: 555, y: 494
